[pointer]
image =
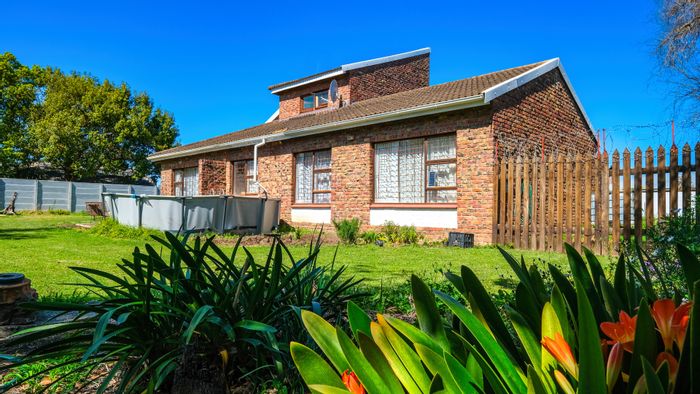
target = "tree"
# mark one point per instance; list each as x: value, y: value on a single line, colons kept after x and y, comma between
x: 87, y: 128
x: 18, y: 93
x: 678, y: 47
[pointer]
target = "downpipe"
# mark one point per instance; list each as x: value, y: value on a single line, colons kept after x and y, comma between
x: 261, y: 212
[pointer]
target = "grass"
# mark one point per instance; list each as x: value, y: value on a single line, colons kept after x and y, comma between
x: 43, y: 247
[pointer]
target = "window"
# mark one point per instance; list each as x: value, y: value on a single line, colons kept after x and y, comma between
x: 186, y: 181
x: 313, y: 177
x: 243, y: 178
x: 315, y: 101
x: 416, y: 170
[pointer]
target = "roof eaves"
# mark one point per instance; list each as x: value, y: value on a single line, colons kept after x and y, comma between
x: 405, y: 113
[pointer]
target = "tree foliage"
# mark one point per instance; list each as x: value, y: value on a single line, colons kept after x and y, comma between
x: 77, y: 124
x: 18, y: 92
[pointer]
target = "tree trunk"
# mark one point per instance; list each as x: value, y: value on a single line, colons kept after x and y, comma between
x: 10, y: 209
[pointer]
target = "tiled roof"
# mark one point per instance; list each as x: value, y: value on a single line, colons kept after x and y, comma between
x: 463, y: 88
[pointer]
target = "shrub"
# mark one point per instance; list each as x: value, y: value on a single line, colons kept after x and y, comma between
x: 190, y: 310
x: 370, y: 237
x: 112, y: 229
x: 578, y: 337
x: 661, y: 260
x: 347, y: 229
x: 407, y: 235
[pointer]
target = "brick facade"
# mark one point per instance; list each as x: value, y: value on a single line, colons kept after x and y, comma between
x: 515, y: 122
x: 542, y: 108
x: 363, y: 84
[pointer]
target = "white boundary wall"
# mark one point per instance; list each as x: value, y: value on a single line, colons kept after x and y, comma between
x: 419, y: 217
x: 35, y: 195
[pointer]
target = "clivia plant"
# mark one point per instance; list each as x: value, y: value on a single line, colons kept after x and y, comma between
x: 586, y: 334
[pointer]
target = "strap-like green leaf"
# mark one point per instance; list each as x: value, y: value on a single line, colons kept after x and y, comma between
x: 325, y: 337
x: 487, y: 344
x: 645, y: 337
x: 429, y: 318
x: 313, y: 368
x: 394, y: 360
x: 591, y: 365
x: 690, y: 264
x: 367, y: 375
x: 375, y: 357
x: 358, y: 319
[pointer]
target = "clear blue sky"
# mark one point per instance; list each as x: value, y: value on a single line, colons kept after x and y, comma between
x: 210, y: 63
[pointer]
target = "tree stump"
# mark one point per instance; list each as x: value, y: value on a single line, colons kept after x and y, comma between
x: 10, y: 209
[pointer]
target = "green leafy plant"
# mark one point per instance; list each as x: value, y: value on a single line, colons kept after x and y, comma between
x: 370, y: 237
x: 397, y: 234
x: 682, y: 228
x: 191, y: 303
x: 556, y: 345
x: 347, y: 229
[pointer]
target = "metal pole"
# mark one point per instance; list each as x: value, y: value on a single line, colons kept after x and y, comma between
x: 223, y: 221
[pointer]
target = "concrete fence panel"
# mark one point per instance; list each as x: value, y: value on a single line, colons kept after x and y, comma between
x: 44, y: 195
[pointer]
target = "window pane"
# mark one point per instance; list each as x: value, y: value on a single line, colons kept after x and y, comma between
x: 386, y: 172
x: 322, y: 198
x: 190, y: 181
x: 251, y: 186
x: 323, y: 159
x: 239, y: 186
x: 440, y: 148
x: 250, y: 168
x: 442, y: 196
x: 304, y: 177
x: 322, y: 98
x: 442, y: 175
x: 322, y: 181
x: 411, y: 171
x: 308, y: 102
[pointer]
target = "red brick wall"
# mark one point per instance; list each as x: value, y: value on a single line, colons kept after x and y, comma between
x: 290, y: 101
x: 352, y: 168
x: 166, y: 182
x: 212, y: 177
x: 390, y: 78
x: 365, y: 83
x: 545, y: 108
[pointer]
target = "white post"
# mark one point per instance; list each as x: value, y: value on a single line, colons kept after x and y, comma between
x: 36, y: 195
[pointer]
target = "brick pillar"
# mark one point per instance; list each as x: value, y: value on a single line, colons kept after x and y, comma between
x: 275, y: 167
x: 352, y: 181
x: 166, y: 182
x: 212, y: 177
x: 475, y: 161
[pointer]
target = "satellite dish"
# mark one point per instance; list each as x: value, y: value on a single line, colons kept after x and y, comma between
x: 333, y: 91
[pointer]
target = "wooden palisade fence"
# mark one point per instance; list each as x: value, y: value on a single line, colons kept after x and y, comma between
x: 541, y: 204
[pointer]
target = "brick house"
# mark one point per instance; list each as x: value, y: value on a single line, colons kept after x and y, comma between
x: 374, y: 140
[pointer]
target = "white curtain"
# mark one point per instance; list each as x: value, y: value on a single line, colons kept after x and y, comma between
x: 304, y: 178
x: 191, y: 181
x: 399, y: 171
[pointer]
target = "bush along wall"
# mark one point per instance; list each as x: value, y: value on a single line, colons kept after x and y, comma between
x: 587, y: 334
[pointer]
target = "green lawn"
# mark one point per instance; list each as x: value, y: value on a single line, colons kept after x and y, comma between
x: 43, y: 247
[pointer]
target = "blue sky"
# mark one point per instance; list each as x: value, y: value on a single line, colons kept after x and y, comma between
x: 210, y: 63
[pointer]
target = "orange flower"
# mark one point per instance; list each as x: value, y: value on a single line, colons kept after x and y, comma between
x: 672, y: 363
x: 662, y: 312
x: 622, y: 332
x: 561, y: 351
x: 679, y: 325
x: 614, y: 366
x: 353, y: 384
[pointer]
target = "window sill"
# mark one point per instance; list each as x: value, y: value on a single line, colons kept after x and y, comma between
x: 311, y: 206
x: 414, y: 205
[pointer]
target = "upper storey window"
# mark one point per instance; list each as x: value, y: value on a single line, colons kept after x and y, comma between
x: 315, y: 101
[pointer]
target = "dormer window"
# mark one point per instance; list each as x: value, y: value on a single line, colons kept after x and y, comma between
x: 315, y: 101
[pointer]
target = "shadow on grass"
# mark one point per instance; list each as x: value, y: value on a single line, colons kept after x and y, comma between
x: 25, y: 233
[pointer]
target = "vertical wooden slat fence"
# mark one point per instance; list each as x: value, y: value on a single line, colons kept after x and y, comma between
x: 543, y: 202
